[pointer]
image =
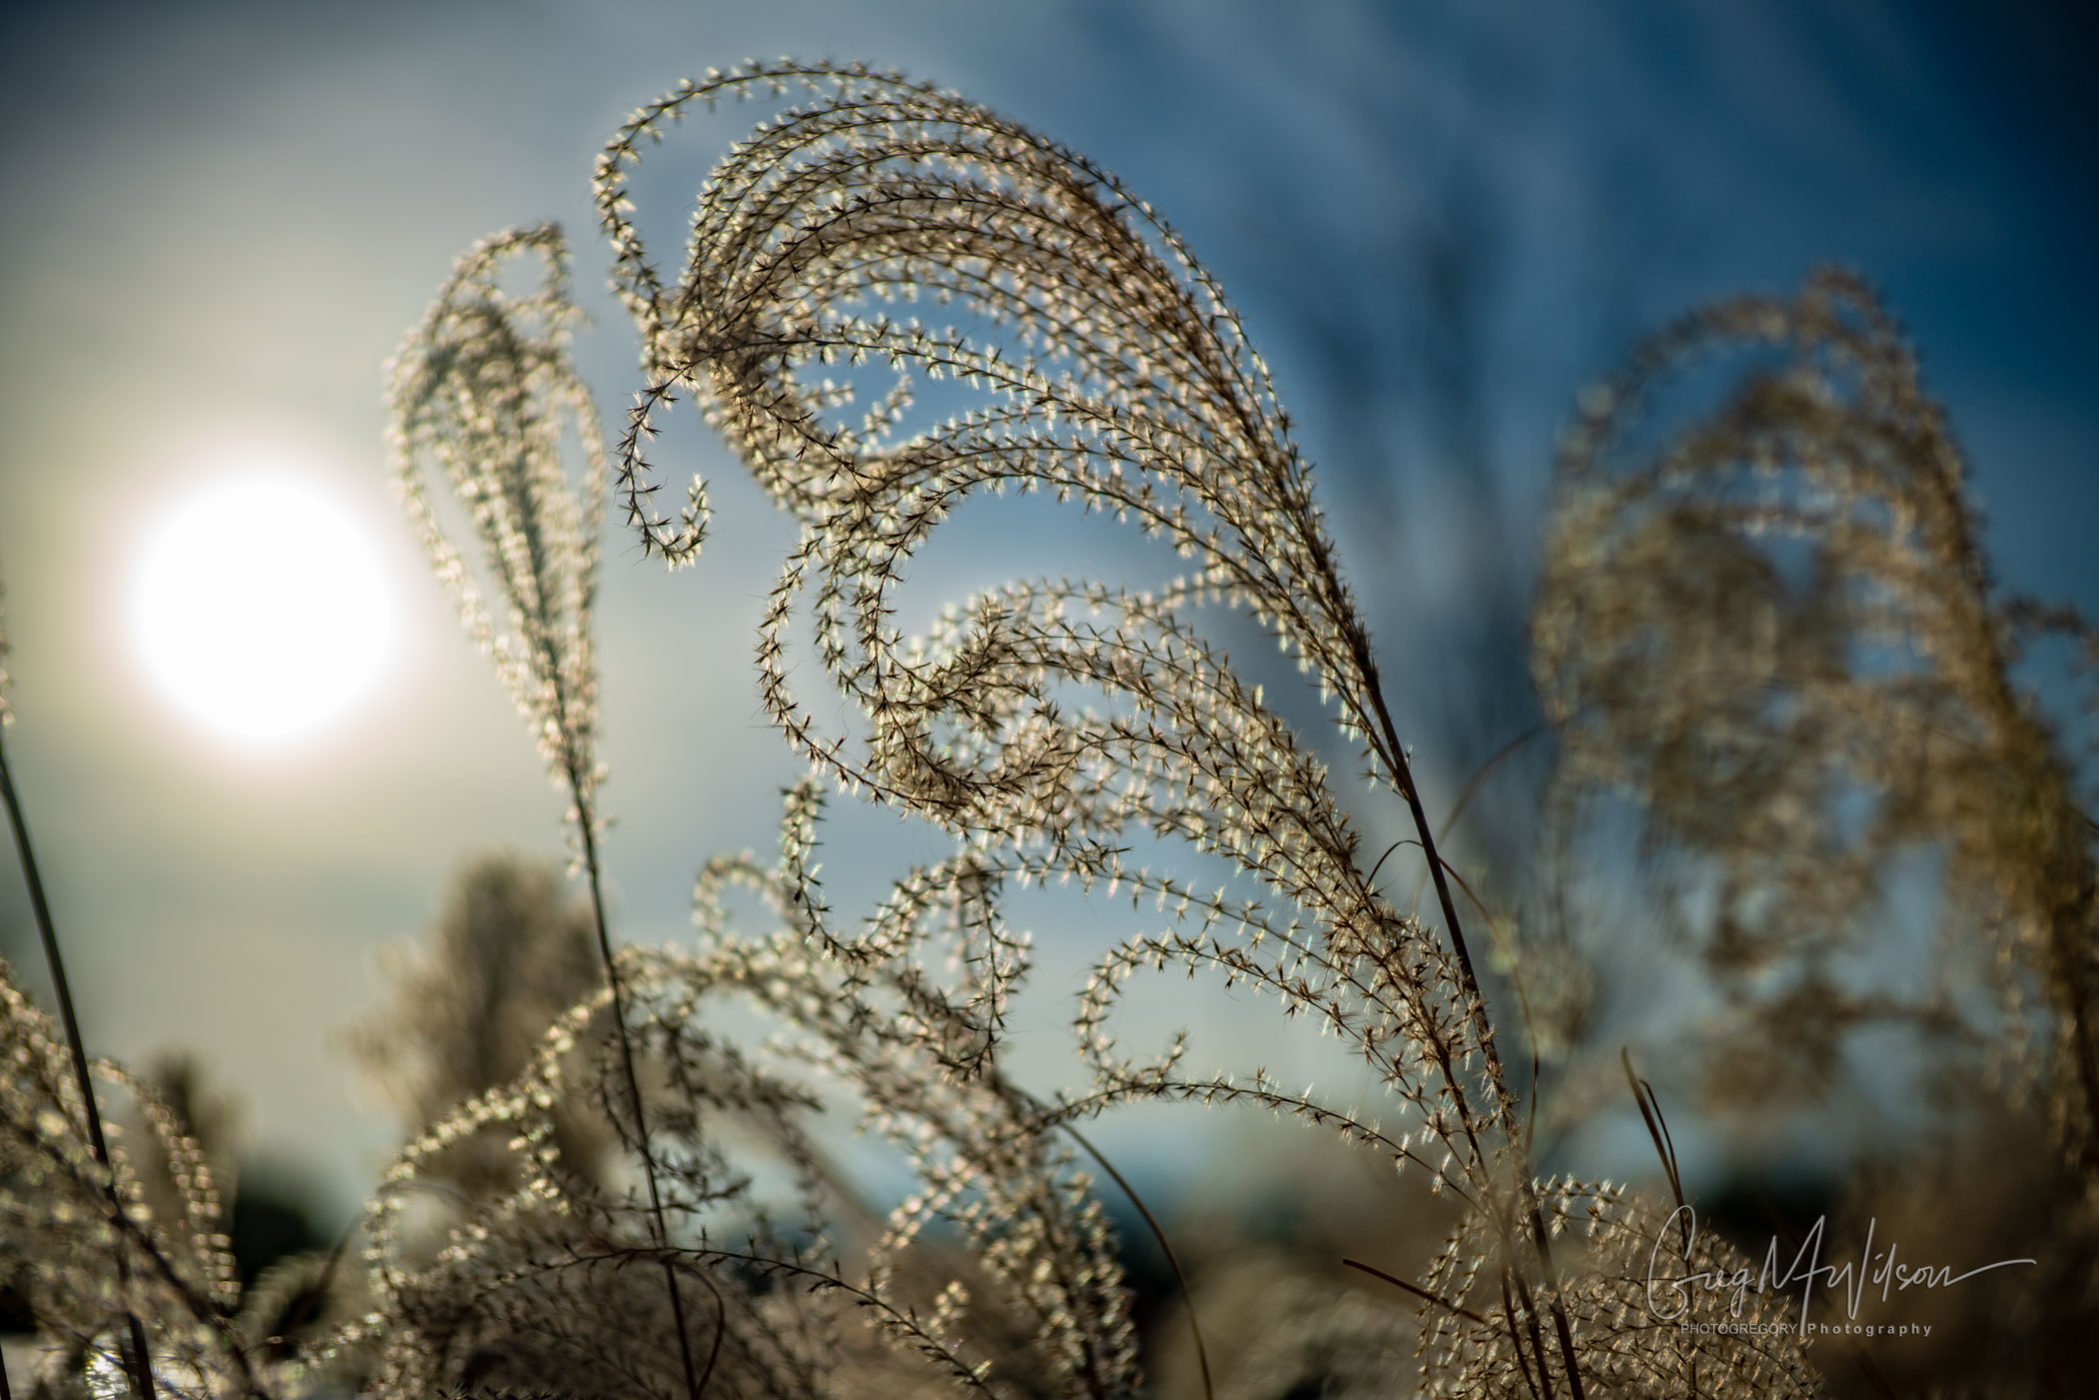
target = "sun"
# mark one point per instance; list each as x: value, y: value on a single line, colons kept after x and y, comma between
x: 260, y: 609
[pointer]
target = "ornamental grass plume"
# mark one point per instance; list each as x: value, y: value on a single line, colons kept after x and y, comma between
x: 1775, y: 637
x: 1097, y: 363
x: 1768, y: 632
x: 480, y: 392
x: 123, y: 1294
x: 116, y: 1250
x: 1771, y: 632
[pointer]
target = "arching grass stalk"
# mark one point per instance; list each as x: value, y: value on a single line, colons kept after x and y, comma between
x: 480, y: 392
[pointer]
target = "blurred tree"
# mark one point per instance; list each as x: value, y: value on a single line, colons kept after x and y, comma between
x: 469, y: 1009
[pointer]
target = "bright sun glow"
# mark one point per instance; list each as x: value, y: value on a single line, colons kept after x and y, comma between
x: 260, y: 610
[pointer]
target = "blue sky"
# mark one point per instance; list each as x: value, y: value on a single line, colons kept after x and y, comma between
x: 216, y: 220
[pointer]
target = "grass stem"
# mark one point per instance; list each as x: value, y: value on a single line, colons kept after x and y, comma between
x: 659, y: 1222
x: 137, y: 1359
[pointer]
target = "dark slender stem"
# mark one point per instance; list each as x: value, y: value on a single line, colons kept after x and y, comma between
x: 721, y: 1325
x: 1403, y: 779
x: 1195, y: 1331
x: 1535, y: 1384
x: 573, y: 768
x: 1416, y: 1290
x: 1480, y: 775
x: 1403, y: 776
x: 1657, y: 1132
x: 138, y: 1360
x: 659, y: 1223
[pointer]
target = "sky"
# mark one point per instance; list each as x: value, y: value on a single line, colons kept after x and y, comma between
x: 218, y: 219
